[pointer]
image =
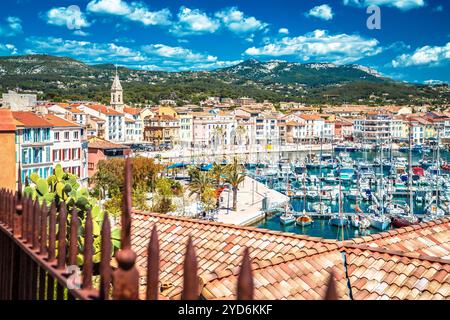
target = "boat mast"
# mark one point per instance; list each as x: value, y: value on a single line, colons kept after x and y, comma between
x: 438, y: 166
x: 381, y: 181
x: 411, y: 203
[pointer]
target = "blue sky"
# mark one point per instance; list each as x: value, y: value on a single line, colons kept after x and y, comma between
x: 413, y: 43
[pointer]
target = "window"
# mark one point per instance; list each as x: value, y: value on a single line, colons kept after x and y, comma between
x: 66, y: 136
x: 56, y: 136
x: 25, y: 156
x: 56, y: 155
x: 66, y: 154
x: 75, y: 135
x: 75, y: 154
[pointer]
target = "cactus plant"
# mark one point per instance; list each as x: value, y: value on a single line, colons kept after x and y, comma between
x: 64, y: 187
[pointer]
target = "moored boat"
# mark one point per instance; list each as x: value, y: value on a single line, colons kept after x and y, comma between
x: 304, y: 220
x: 287, y: 218
x: 379, y: 222
x: 404, y: 220
x: 338, y: 220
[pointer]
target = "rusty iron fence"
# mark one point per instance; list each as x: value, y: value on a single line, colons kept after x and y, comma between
x: 37, y: 245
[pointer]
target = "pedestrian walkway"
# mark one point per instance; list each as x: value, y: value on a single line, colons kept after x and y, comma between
x: 249, y: 204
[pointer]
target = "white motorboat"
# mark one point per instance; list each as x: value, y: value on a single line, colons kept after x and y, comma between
x: 287, y: 218
x: 380, y: 222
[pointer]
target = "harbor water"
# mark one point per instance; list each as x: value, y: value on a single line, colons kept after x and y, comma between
x: 321, y: 227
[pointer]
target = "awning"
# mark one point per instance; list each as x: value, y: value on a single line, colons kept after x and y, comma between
x: 176, y: 165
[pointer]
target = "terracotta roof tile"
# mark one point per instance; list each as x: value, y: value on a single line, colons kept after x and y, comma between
x: 395, y: 277
x: 58, y: 122
x: 29, y: 119
x: 406, y: 264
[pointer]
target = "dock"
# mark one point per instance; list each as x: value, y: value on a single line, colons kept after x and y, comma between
x: 250, y: 203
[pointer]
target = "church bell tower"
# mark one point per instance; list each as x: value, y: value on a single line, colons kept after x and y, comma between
x: 117, y: 94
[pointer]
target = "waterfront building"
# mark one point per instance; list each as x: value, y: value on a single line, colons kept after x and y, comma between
x: 165, y: 110
x: 243, y: 132
x: 375, y: 128
x: 162, y: 129
x: 69, y: 147
x: 202, y: 123
x: 186, y: 129
x: 343, y: 129
x: 99, y: 149
x: 33, y: 144
x: 315, y: 127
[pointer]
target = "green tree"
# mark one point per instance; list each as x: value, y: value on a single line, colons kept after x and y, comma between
x: 234, y: 176
x: 199, y: 184
x: 164, y: 194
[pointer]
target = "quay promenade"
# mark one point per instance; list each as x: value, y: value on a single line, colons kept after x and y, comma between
x: 179, y: 153
x: 250, y: 203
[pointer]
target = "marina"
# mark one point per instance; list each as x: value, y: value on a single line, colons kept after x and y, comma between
x: 356, y: 191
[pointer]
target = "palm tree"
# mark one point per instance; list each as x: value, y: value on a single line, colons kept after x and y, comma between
x: 216, y: 173
x: 234, y: 176
x: 199, y: 183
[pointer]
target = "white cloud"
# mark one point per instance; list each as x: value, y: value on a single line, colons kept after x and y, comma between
x: 236, y: 21
x: 177, y: 53
x: 283, y: 31
x: 148, y: 57
x: 70, y: 17
x: 320, y: 46
x: 13, y: 27
x: 115, y: 7
x: 323, y: 12
x: 399, y: 4
x: 81, y: 33
x: 424, y: 56
x: 136, y: 11
x: 194, y: 21
x: 87, y: 51
x: 8, y: 49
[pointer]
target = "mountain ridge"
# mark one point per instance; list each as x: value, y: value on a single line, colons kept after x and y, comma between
x: 276, y: 80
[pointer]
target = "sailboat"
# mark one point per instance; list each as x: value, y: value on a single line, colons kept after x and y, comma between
x: 378, y: 220
x: 404, y: 220
x: 287, y: 217
x: 339, y: 220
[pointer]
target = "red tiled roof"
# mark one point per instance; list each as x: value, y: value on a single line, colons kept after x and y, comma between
x: 74, y: 109
x: 219, y: 247
x: 6, y: 121
x: 29, y: 119
x: 58, y: 122
x: 299, y: 279
x: 98, y: 143
x: 133, y: 111
x: 310, y: 117
x: 105, y: 110
x: 430, y: 239
x: 290, y: 266
x: 384, y: 275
